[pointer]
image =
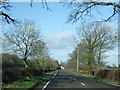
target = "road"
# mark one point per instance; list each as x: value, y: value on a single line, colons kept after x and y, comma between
x: 66, y: 80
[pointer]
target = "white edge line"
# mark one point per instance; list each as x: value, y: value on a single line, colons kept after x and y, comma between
x: 49, y: 81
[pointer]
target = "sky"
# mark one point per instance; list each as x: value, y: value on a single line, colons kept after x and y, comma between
x: 58, y: 35
x: 63, y: 0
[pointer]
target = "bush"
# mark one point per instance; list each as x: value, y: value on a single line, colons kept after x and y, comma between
x: 11, y: 61
x: 9, y: 74
x: 13, y: 67
x: 112, y: 75
x: 46, y: 65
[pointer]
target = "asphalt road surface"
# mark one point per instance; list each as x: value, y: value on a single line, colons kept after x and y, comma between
x: 66, y: 80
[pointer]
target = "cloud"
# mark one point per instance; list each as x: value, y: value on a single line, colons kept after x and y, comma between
x: 114, y: 52
x: 61, y: 40
x: 60, y: 55
x: 60, y: 45
x: 114, y: 26
x: 112, y: 57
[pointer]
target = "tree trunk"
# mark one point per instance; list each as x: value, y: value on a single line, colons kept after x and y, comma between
x: 25, y: 56
x: 90, y: 68
x: 25, y: 62
x: 91, y: 61
x: 99, y: 58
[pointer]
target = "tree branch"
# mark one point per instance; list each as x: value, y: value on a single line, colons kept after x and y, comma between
x: 84, y: 8
x: 7, y: 17
x: 106, y: 4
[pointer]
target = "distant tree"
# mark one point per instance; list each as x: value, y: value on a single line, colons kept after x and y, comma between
x: 114, y: 66
x: 24, y: 40
x: 119, y: 66
x: 79, y: 52
x: 71, y: 64
x: 108, y: 66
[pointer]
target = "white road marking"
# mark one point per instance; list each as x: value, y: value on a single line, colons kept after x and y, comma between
x: 83, y: 84
x: 46, y: 85
x: 49, y: 81
x: 74, y: 79
x: 55, y: 74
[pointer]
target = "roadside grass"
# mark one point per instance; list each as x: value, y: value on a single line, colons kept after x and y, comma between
x: 92, y: 77
x: 29, y: 82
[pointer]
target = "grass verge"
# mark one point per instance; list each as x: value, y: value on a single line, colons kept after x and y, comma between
x: 92, y: 77
x: 29, y: 82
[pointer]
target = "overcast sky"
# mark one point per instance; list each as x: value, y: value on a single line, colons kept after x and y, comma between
x: 58, y: 35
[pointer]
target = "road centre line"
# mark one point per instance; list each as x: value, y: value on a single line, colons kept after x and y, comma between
x: 49, y: 81
x: 83, y: 84
x: 74, y: 79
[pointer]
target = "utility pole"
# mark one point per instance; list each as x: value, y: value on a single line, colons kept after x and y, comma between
x: 77, y: 60
x: 77, y: 51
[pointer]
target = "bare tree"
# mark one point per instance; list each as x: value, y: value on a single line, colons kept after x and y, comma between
x: 24, y: 40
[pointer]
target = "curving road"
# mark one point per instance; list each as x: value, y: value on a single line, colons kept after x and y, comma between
x: 65, y: 80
